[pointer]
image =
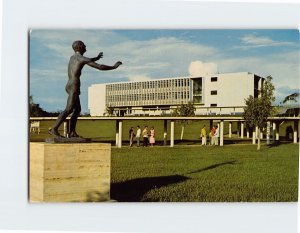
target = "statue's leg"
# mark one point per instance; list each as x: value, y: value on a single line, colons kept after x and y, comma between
x: 73, y: 121
x: 63, y: 115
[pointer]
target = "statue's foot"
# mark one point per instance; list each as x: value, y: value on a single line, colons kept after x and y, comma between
x: 74, y: 135
x: 55, y: 133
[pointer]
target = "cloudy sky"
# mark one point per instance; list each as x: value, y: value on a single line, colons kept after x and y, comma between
x: 154, y: 54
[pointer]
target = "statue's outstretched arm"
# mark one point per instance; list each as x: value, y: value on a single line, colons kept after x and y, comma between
x: 104, y: 67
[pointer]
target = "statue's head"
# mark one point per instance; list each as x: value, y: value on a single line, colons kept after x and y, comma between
x: 79, y: 46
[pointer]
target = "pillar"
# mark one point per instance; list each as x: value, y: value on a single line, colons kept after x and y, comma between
x: 248, y: 133
x: 66, y: 129
x: 230, y: 129
x: 295, y: 131
x: 277, y: 131
x: 221, y: 133
x: 172, y: 134
x: 273, y: 131
x: 242, y: 129
x: 120, y: 134
x: 117, y: 133
x: 165, y: 132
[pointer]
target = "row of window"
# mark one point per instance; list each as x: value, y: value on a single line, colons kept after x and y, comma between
x: 148, y: 96
x: 149, y: 84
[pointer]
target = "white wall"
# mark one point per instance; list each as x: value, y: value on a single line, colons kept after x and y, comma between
x: 96, y: 99
x: 231, y: 89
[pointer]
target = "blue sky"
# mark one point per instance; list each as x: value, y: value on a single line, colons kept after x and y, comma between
x: 153, y: 54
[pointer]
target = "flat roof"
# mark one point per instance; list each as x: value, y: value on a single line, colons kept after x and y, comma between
x: 182, y: 77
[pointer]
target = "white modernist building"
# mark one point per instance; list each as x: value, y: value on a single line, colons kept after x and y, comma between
x: 219, y: 94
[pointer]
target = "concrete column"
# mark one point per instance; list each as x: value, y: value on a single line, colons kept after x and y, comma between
x: 66, y: 129
x: 172, y: 134
x: 277, y: 131
x: 248, y: 133
x: 221, y: 133
x: 120, y: 134
x: 117, y: 133
x: 165, y: 132
x: 230, y: 129
x: 253, y: 137
x: 268, y: 132
x: 273, y: 131
x: 242, y: 129
x: 295, y: 131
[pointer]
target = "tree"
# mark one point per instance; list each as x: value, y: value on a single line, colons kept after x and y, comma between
x: 258, y: 110
x: 109, y: 111
x: 184, y: 110
x: 34, y: 109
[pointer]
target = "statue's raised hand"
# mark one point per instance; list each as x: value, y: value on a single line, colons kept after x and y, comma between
x: 117, y: 64
x: 100, y: 55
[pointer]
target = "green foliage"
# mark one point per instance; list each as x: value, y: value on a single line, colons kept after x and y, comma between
x: 258, y: 110
x: 34, y: 109
x: 205, y: 174
x: 187, y: 110
x: 109, y: 111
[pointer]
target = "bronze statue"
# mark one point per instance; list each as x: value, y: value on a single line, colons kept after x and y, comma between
x: 76, y: 63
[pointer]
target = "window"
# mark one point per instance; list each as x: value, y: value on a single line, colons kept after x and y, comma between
x: 214, y: 79
x: 213, y: 105
x: 214, y: 92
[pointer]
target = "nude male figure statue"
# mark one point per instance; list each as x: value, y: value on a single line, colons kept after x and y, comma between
x: 76, y: 63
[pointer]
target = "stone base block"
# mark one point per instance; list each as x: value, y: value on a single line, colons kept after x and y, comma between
x: 68, y: 140
x: 69, y: 172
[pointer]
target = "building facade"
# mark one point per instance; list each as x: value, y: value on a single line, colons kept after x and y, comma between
x: 219, y: 94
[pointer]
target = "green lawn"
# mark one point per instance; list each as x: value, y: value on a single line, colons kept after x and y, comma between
x: 234, y: 173
x: 189, y: 172
x: 104, y: 131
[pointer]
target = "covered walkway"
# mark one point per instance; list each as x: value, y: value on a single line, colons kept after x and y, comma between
x: 272, y: 132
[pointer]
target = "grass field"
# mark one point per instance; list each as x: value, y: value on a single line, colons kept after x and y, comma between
x: 235, y: 173
x: 188, y: 172
x: 104, y: 131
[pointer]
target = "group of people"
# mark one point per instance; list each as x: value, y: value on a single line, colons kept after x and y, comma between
x: 147, y: 136
x: 213, y: 135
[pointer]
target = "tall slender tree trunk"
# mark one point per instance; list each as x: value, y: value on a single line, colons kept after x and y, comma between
x: 182, y: 130
x: 258, y: 139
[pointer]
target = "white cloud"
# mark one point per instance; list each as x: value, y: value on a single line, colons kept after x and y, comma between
x: 201, y: 68
x: 253, y: 41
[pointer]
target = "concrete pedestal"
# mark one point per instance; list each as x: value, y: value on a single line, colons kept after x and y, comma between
x: 69, y: 172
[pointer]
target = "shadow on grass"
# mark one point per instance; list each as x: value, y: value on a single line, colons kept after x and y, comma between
x: 274, y: 144
x: 134, y: 190
x: 213, y: 166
